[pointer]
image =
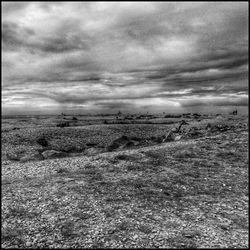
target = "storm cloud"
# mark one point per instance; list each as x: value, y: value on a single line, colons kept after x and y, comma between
x: 110, y: 56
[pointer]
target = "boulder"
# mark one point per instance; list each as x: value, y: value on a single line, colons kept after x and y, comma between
x: 169, y: 137
x: 194, y: 132
x: 15, y: 128
x: 91, y: 144
x: 136, y: 143
x: 130, y: 144
x: 93, y: 151
x: 177, y: 138
x: 42, y: 141
x: 113, y: 146
x: 13, y: 156
x: 134, y: 138
x: 218, y: 127
x: 209, y: 126
x: 158, y: 139
x: 183, y: 122
x: 48, y: 154
x: 32, y: 157
x: 63, y: 124
x: 72, y: 149
x: 222, y: 127
x: 120, y: 142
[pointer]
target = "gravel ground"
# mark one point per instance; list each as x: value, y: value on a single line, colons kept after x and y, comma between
x: 191, y: 194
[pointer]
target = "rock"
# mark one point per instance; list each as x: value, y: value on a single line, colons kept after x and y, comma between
x: 15, y: 128
x: 183, y: 122
x: 90, y: 144
x: 112, y: 146
x: 130, y: 144
x: 134, y: 138
x: 136, y: 143
x: 218, y: 127
x: 194, y: 132
x: 48, y: 154
x: 72, y: 149
x: 169, y: 137
x: 122, y: 141
x: 13, y: 157
x: 93, y: 151
x: 177, y: 138
x: 42, y: 141
x: 158, y: 139
x: 33, y: 157
x: 28, y: 244
x: 63, y: 124
x: 209, y: 126
x: 174, y: 130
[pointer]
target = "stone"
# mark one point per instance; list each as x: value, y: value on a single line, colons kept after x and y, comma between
x: 177, y: 138
x: 112, y: 146
x: 93, y: 151
x: 28, y: 244
x: 134, y: 138
x: 169, y: 137
x: 32, y: 157
x: 15, y: 128
x: 48, y: 154
x: 136, y: 143
x: 13, y: 157
x: 42, y: 141
x: 130, y: 144
x: 122, y: 141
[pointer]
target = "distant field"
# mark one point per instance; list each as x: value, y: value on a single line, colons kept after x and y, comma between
x: 125, y: 185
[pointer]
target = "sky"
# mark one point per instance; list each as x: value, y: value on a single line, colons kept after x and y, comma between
x: 102, y: 57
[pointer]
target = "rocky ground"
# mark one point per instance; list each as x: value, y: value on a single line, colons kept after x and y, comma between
x: 189, y: 192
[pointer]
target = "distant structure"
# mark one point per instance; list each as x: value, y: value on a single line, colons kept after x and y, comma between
x: 235, y: 112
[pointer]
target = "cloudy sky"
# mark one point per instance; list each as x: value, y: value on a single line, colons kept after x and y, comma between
x: 131, y: 56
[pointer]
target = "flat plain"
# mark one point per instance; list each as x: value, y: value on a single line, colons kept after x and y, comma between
x: 125, y: 181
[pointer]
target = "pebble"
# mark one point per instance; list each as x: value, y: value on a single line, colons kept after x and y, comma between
x: 29, y: 244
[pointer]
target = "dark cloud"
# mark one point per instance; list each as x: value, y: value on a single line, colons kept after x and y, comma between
x: 10, y: 7
x: 240, y: 101
x: 97, y: 55
x: 114, y: 105
x: 15, y: 37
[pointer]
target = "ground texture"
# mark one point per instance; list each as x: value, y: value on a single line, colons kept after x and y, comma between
x: 191, y: 193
